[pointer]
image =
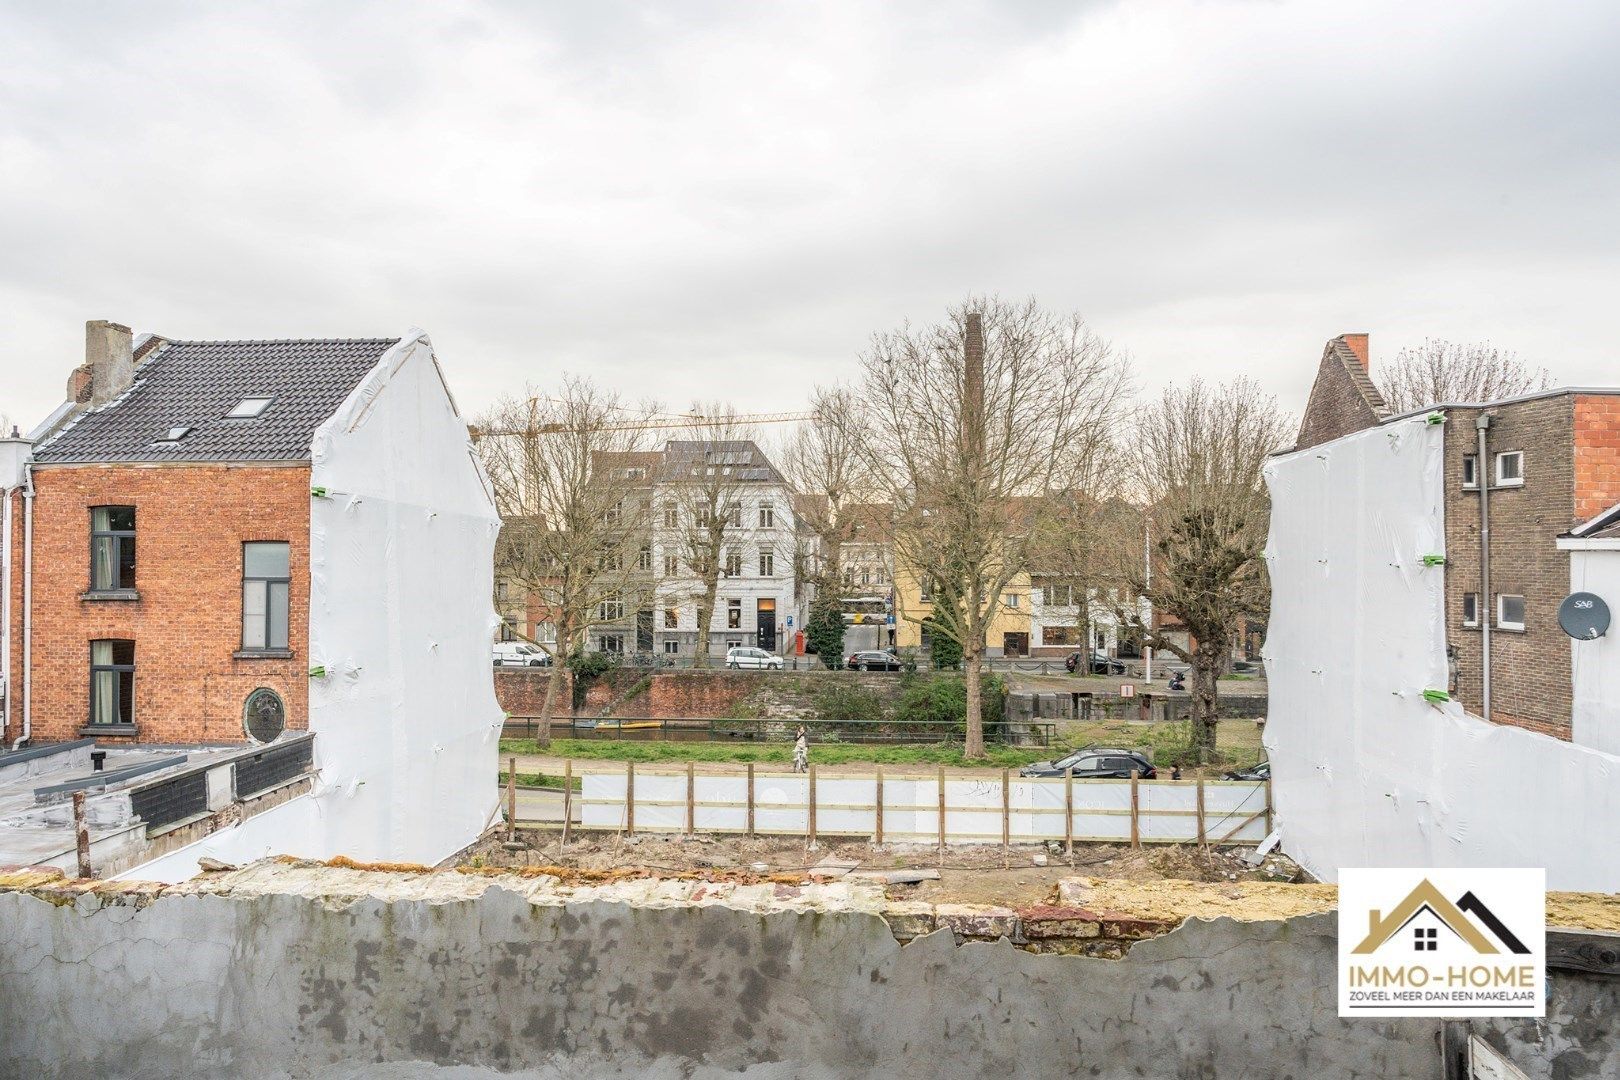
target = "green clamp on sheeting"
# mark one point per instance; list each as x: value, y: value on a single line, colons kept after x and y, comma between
x: 1434, y: 560
x: 317, y: 492
x: 1436, y: 696
x: 318, y: 671
x: 1436, y: 418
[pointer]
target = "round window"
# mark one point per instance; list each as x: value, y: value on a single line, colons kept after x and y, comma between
x: 264, y: 715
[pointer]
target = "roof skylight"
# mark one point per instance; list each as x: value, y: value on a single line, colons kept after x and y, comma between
x: 248, y: 408
x: 175, y: 434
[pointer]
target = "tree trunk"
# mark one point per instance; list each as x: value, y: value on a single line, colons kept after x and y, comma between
x: 705, y: 619
x: 973, y: 742
x: 542, y: 738
x: 1206, y: 669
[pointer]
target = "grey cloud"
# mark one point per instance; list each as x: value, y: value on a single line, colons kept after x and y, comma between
x: 712, y: 199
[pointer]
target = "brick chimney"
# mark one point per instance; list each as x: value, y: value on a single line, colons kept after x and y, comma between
x: 1358, y: 345
x: 109, y: 364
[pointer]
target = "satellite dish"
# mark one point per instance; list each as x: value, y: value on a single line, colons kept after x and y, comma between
x: 1584, y: 616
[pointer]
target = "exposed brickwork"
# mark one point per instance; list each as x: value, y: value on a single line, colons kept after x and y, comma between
x: 1597, y: 454
x: 700, y: 693
x: 1343, y: 399
x: 191, y: 523
x: 1530, y: 669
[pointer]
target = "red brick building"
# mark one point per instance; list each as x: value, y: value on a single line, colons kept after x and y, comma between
x: 158, y: 536
x: 1551, y: 462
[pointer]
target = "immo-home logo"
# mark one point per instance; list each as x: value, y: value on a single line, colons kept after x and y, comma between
x: 1442, y: 942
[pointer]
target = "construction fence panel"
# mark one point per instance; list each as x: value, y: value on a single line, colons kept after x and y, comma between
x: 975, y: 808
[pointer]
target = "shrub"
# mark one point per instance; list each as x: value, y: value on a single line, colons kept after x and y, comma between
x: 824, y: 633
x: 843, y: 704
x: 942, y: 699
x: 943, y: 650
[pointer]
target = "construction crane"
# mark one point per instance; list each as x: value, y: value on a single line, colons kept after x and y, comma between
x: 680, y: 420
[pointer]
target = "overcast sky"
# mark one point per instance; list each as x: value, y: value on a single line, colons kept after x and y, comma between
x: 696, y: 200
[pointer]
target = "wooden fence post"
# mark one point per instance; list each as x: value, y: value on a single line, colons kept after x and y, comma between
x: 1006, y: 819
x: 81, y: 835
x: 511, y: 799
x: 812, y: 804
x: 1068, y: 812
x: 878, y: 837
x: 1268, y: 806
x: 1136, y: 828
x: 630, y: 797
x: 568, y: 796
x: 691, y: 814
x: 942, y: 813
x: 1201, y: 836
x: 750, y: 798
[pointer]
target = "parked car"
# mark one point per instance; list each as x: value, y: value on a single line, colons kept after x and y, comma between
x: 1100, y: 664
x: 1096, y: 763
x: 747, y: 657
x: 520, y: 654
x: 1261, y: 771
x: 874, y: 660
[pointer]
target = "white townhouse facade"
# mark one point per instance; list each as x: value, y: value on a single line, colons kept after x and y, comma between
x: 757, y: 602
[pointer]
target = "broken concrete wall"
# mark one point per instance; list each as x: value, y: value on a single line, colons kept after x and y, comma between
x: 343, y: 975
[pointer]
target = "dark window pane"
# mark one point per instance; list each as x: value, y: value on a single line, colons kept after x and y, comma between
x: 123, y: 652
x: 126, y: 562
x: 120, y: 518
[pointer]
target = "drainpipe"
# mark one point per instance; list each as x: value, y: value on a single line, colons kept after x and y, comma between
x: 1482, y: 424
x: 5, y: 609
x: 28, y: 607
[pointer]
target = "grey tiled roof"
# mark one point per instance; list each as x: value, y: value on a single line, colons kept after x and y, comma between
x: 195, y: 383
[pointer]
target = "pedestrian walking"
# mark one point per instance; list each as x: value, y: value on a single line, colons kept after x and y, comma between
x: 801, y: 751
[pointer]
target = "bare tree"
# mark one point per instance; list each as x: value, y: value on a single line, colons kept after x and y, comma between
x: 701, y: 492
x: 1438, y: 372
x: 823, y: 462
x: 973, y: 425
x: 572, y: 521
x: 1195, y: 462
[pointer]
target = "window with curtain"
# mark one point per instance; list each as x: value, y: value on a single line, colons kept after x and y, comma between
x: 112, y: 548
x: 265, y: 583
x: 112, y: 682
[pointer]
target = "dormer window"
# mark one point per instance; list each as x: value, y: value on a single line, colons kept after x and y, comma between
x: 249, y: 408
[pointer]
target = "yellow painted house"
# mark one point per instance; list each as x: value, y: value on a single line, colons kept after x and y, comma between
x: 1007, y: 635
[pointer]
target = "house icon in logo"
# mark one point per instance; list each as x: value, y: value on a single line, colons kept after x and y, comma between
x: 1426, y: 911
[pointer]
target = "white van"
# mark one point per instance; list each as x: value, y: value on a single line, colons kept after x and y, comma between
x: 520, y: 654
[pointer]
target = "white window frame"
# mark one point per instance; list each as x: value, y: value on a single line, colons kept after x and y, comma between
x: 1474, y: 596
x: 1010, y: 600
x: 767, y: 562
x: 1501, y: 623
x: 767, y: 515
x: 1470, y: 460
x: 1515, y: 481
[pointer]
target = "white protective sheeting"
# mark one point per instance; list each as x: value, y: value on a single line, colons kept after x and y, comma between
x: 1167, y: 811
x: 401, y: 578
x: 1366, y: 772
x: 1594, y: 567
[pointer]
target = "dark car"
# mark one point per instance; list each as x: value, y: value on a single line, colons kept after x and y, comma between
x: 874, y: 660
x: 1261, y: 771
x: 1100, y: 663
x: 1096, y: 763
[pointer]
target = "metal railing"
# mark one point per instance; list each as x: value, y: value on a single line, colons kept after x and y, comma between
x: 775, y: 729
